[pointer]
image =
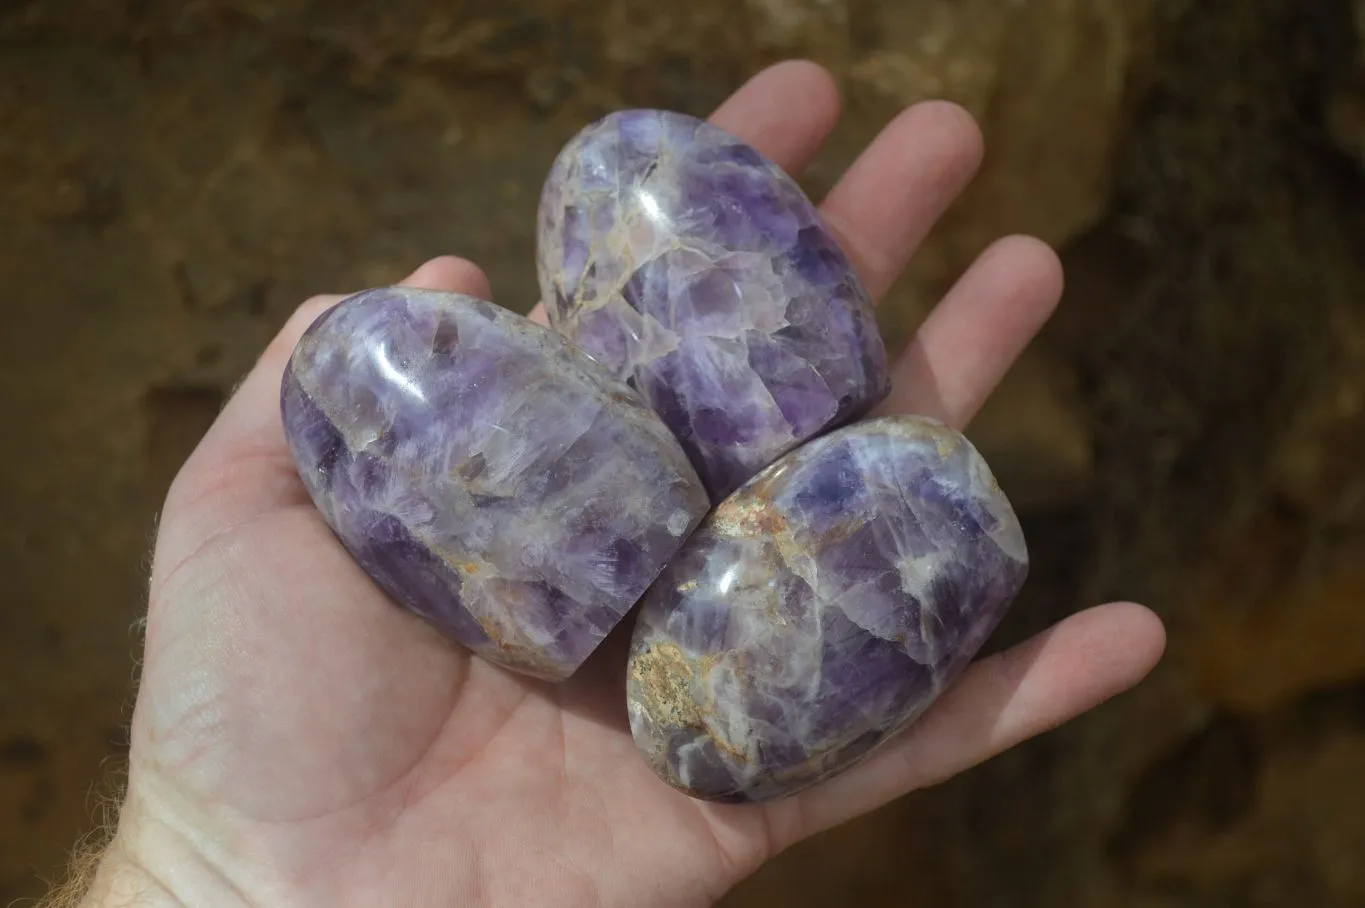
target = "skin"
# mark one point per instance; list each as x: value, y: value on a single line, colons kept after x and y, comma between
x: 299, y: 741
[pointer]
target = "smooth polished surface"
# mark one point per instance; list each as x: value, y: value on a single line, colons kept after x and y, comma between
x: 488, y: 475
x: 820, y: 609
x: 698, y: 271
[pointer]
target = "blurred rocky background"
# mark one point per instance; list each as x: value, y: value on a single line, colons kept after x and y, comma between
x: 176, y: 176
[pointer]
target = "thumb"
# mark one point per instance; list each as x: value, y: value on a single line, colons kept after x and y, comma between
x: 242, y: 467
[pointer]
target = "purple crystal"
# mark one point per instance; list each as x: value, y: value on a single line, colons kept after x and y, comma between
x: 699, y: 272
x: 820, y: 609
x: 488, y: 475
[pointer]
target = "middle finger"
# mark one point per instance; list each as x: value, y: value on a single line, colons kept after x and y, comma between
x: 900, y: 186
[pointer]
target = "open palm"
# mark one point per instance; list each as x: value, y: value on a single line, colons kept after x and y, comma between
x: 299, y: 740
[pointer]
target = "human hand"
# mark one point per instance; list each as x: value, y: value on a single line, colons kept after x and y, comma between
x: 300, y: 741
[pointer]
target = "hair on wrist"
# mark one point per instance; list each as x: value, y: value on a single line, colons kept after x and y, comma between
x: 83, y: 866
x: 80, y: 876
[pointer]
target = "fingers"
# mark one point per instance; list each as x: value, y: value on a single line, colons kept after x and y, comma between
x: 976, y: 332
x: 242, y: 463
x: 998, y: 703
x: 900, y: 186
x: 786, y: 112
x: 453, y: 274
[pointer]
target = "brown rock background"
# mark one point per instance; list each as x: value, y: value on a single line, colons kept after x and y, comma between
x: 175, y: 177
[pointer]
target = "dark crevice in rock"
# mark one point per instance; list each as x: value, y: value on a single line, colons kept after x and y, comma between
x: 1241, y: 222
x: 1207, y: 782
x: 24, y: 751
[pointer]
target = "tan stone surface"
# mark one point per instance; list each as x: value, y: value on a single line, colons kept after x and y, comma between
x: 1014, y: 65
x: 1284, y: 616
x: 1299, y: 637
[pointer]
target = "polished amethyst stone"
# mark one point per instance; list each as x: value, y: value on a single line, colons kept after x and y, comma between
x: 820, y: 609
x: 488, y: 475
x: 699, y: 272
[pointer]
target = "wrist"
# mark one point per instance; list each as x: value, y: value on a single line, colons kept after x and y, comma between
x: 150, y: 863
x: 120, y: 881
